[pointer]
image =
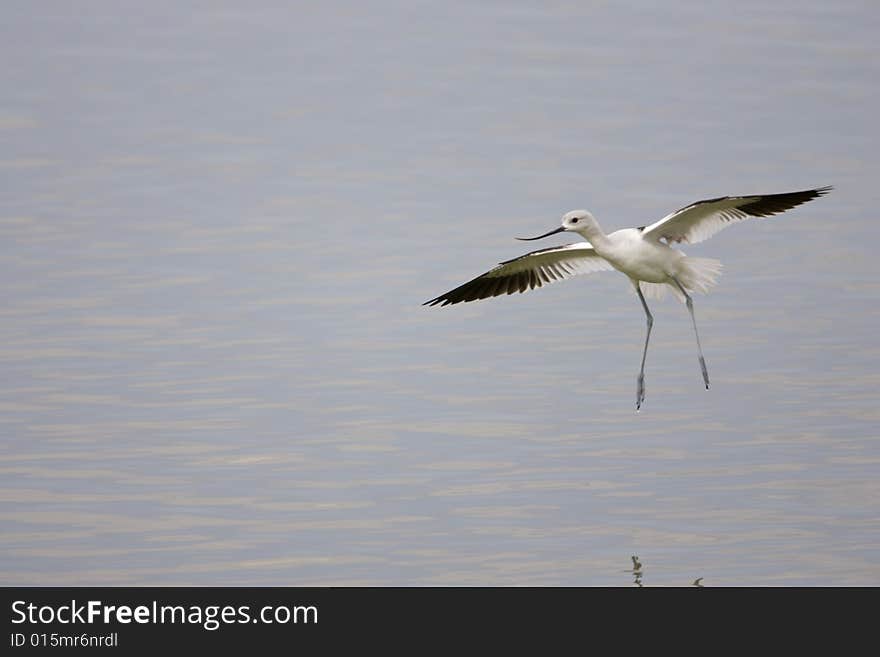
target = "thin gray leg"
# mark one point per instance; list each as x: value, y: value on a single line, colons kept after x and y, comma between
x: 640, y: 387
x: 690, y: 305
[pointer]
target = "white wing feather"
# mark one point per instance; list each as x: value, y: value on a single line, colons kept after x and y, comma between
x: 701, y: 220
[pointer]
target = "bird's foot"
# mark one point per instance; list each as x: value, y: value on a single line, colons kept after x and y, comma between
x: 705, y: 372
x: 640, y: 391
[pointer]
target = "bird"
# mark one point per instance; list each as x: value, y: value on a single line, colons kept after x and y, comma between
x: 645, y: 254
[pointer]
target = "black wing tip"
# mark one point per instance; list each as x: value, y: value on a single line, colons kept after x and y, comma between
x: 810, y: 194
x: 806, y: 194
x: 435, y: 301
x: 449, y: 301
x: 765, y: 205
x: 451, y: 298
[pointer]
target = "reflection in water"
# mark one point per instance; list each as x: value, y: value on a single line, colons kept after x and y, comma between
x: 637, y: 573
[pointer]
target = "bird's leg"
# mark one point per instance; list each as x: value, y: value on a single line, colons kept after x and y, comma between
x: 640, y: 387
x: 690, y: 306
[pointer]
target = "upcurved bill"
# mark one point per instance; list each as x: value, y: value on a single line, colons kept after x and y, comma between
x: 552, y: 232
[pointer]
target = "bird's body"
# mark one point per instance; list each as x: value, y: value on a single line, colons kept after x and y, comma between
x: 639, y: 258
x: 651, y: 262
x: 644, y: 254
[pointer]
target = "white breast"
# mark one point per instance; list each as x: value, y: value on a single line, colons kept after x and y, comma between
x: 638, y: 258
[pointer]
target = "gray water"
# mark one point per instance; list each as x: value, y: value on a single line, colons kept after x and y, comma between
x: 218, y: 223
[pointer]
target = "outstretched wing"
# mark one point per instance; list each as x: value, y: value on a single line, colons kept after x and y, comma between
x: 527, y: 272
x: 699, y: 221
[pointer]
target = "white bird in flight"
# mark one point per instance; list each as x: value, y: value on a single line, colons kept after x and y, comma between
x: 644, y: 254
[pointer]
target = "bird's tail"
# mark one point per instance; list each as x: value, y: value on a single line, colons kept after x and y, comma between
x: 696, y: 274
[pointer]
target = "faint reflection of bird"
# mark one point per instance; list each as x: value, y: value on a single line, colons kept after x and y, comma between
x: 637, y: 571
x: 644, y: 254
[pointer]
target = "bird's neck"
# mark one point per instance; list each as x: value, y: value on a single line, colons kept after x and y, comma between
x: 594, y: 234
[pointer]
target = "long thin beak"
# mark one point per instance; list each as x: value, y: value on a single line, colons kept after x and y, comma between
x: 552, y: 232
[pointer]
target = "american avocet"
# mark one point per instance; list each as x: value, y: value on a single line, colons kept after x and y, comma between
x: 644, y: 254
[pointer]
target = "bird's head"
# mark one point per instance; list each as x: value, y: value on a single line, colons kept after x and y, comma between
x: 576, y: 221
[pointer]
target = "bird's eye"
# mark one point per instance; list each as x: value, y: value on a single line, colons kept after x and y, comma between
x: 575, y: 220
